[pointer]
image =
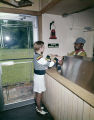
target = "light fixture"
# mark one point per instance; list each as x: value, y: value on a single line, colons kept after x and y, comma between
x: 17, y: 0
x: 17, y: 3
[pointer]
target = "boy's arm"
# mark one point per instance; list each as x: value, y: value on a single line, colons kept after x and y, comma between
x: 44, y: 62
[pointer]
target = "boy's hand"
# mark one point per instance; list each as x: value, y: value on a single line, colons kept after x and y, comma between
x: 48, y: 58
x: 56, y: 60
x: 52, y: 56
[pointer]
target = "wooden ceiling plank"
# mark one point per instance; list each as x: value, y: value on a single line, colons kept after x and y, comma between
x: 50, y: 5
x: 19, y: 11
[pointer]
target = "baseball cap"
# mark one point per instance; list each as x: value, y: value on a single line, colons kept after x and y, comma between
x: 80, y: 40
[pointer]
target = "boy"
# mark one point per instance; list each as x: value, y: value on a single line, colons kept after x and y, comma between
x: 40, y: 65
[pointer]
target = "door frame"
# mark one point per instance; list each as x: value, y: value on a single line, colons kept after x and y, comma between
x: 28, y: 18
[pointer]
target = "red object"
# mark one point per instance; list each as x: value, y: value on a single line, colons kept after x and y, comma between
x: 77, y: 51
x: 53, y: 34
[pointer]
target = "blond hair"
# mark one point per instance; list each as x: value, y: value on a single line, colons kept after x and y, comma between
x: 38, y: 45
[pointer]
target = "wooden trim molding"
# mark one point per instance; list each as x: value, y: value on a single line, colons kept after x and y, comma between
x: 30, y: 12
x: 40, y: 26
x: 19, y: 11
x: 50, y: 5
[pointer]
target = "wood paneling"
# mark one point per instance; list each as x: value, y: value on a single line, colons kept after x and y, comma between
x: 40, y: 27
x: 49, y: 6
x: 79, y: 91
x: 86, y: 112
x: 91, y: 113
x: 19, y: 11
x: 64, y: 104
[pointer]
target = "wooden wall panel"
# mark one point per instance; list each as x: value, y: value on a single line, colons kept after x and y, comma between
x: 63, y: 104
x: 19, y: 11
x: 91, y: 113
x: 80, y: 109
x: 86, y: 112
x: 40, y: 27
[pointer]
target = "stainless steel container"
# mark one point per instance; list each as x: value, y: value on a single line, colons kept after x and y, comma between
x: 79, y: 70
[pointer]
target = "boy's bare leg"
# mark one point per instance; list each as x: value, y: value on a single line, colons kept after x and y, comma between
x: 35, y: 97
x: 38, y: 100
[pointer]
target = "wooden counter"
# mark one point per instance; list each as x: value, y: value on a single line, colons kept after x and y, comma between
x: 77, y: 90
x: 66, y: 100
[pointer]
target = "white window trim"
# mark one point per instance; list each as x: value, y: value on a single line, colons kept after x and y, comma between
x: 23, y: 17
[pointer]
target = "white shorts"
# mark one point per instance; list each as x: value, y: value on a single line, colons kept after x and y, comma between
x: 39, y: 83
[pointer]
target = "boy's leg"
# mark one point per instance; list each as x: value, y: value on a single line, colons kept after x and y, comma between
x: 35, y: 97
x: 38, y: 100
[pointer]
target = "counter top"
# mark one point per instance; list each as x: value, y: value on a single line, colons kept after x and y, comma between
x: 76, y: 89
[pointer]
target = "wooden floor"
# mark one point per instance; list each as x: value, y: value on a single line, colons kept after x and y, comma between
x: 24, y: 113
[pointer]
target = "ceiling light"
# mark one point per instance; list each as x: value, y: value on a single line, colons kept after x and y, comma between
x: 18, y: 3
x: 17, y: 0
